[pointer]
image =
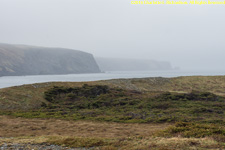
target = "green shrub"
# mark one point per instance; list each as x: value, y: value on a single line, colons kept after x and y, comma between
x: 186, y: 129
x: 99, y: 102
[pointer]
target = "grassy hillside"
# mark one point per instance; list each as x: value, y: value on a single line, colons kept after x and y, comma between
x: 102, y: 103
x: 189, y: 111
x: 32, y: 96
x: 213, y: 84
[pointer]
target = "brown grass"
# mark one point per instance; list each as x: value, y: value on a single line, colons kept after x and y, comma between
x: 128, y: 143
x: 100, y: 135
x: 14, y: 127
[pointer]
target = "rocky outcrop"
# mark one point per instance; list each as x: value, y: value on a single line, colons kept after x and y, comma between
x: 32, y: 60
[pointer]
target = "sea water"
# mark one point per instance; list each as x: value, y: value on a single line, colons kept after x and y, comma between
x: 8, y: 81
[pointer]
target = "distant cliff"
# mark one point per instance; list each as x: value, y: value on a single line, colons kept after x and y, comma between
x: 119, y: 64
x: 32, y: 60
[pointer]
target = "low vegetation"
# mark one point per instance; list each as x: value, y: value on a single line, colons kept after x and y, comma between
x: 102, y: 103
x: 131, y: 143
x: 190, y: 113
x: 196, y: 130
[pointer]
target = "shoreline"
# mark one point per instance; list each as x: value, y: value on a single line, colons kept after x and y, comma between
x: 10, y: 81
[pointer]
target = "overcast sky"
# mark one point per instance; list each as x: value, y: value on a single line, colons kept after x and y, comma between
x: 189, y: 36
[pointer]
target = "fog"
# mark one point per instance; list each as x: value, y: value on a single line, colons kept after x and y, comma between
x: 188, y: 36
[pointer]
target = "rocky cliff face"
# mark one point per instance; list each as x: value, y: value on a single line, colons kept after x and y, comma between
x: 32, y: 60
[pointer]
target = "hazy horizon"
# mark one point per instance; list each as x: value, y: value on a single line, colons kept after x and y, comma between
x: 188, y: 36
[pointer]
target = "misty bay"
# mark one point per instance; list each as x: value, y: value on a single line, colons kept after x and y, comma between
x: 8, y: 81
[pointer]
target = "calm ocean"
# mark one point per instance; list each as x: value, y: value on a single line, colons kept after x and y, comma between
x: 8, y: 81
